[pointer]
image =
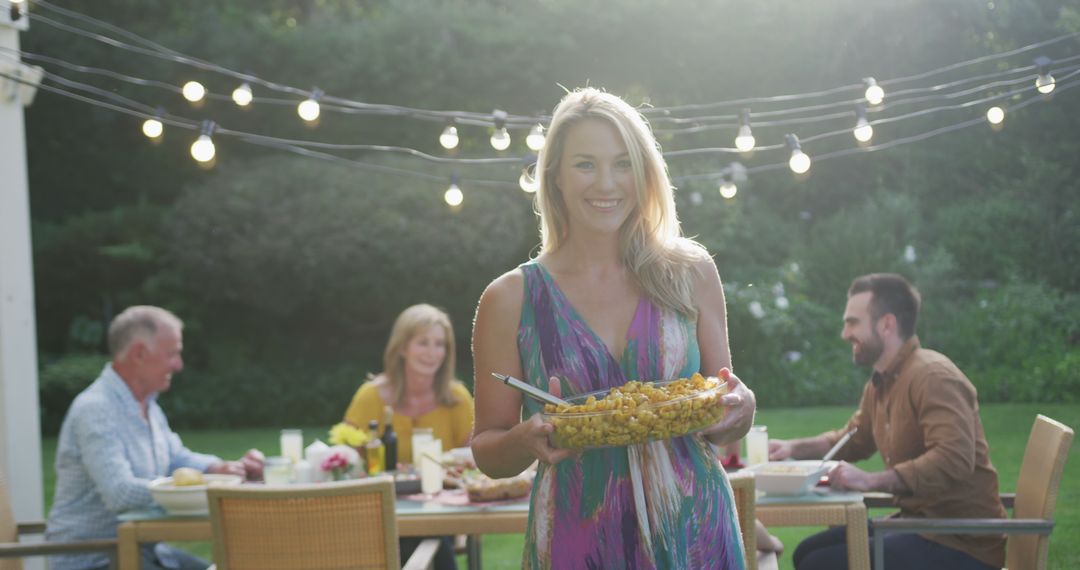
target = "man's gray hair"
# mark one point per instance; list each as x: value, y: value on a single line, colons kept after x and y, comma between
x: 139, y: 322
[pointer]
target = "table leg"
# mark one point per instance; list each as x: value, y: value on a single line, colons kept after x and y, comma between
x: 127, y: 546
x: 858, y: 538
x: 472, y: 550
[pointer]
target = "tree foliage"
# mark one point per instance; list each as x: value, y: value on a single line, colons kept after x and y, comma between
x: 289, y: 271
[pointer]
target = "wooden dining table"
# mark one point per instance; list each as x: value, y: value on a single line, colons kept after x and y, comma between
x: 415, y: 517
x: 434, y: 518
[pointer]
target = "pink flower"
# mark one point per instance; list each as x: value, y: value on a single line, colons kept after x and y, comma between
x: 334, y: 462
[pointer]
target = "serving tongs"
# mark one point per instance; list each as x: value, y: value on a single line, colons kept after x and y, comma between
x: 530, y: 390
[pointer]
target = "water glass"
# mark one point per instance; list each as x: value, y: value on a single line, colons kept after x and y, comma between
x: 278, y: 471
x: 292, y: 444
x: 431, y: 471
x: 757, y: 445
x: 419, y: 437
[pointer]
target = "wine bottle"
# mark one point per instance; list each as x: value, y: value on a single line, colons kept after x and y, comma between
x: 389, y: 439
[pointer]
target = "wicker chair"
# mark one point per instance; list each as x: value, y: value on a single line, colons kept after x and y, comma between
x: 1029, y: 530
x: 346, y: 525
x: 742, y: 485
x: 11, y: 550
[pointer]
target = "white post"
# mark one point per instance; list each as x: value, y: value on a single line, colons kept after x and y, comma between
x: 20, y: 427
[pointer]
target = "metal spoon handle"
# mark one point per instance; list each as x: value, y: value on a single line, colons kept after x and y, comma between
x: 843, y: 440
x: 530, y: 390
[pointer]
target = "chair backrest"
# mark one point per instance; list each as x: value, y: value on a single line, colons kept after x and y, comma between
x: 1037, y: 489
x: 743, y: 488
x: 347, y: 524
x: 9, y: 530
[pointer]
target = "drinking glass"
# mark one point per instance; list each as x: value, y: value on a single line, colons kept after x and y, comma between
x: 278, y: 471
x: 757, y: 445
x: 292, y: 444
x: 431, y: 470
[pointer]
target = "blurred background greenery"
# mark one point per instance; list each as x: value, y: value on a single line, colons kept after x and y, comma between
x: 289, y: 270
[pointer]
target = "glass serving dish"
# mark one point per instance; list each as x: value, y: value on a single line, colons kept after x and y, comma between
x: 637, y: 412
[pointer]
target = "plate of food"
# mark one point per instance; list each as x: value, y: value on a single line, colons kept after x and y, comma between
x: 637, y: 412
x: 184, y: 493
x: 789, y: 477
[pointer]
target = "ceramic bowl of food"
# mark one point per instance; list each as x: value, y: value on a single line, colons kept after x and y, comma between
x: 637, y: 412
x: 789, y: 477
x: 189, y: 497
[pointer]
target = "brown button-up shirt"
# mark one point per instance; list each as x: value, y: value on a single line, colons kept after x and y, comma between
x: 922, y: 414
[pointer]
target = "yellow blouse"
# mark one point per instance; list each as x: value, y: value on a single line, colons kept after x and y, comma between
x: 451, y: 424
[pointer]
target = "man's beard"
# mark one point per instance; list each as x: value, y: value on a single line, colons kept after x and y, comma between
x: 869, y: 351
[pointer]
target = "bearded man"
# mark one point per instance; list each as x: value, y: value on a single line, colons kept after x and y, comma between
x: 922, y: 414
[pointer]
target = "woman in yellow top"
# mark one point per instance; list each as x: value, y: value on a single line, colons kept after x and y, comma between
x: 418, y: 382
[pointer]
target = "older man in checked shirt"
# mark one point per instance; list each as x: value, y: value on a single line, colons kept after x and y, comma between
x: 115, y: 440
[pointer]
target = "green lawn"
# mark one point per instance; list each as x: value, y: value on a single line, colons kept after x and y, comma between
x: 1007, y: 427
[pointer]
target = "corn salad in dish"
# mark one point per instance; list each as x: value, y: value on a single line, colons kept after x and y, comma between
x: 637, y: 412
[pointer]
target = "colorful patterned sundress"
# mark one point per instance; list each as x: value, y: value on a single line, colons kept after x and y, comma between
x: 663, y: 504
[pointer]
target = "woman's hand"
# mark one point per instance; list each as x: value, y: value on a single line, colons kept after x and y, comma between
x: 741, y: 405
x: 535, y: 433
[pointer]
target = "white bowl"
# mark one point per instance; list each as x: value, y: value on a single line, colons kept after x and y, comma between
x: 789, y: 477
x: 188, y: 499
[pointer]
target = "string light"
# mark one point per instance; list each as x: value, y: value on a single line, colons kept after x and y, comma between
x: 203, y: 149
x: 527, y: 181
x: 995, y: 115
x: 727, y: 187
x: 1044, y: 83
x: 744, y: 140
x: 153, y: 128
x: 500, y: 139
x: 863, y: 131
x: 535, y: 138
x: 799, y: 161
x: 308, y: 109
x: 453, y: 196
x: 242, y: 95
x: 193, y: 91
x: 449, y: 137
x: 874, y: 93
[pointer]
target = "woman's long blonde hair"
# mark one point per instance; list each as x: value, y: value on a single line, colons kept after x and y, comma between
x: 651, y: 243
x: 409, y: 323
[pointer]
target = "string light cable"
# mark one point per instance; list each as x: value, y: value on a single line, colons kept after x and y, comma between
x: 1063, y: 85
x: 895, y: 101
x: 880, y: 121
x: 1031, y: 99
x: 255, y: 139
x: 515, y: 121
x: 269, y: 140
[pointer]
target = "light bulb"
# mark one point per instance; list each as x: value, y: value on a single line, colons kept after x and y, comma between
x: 500, y: 140
x: 874, y: 93
x: 527, y: 183
x: 744, y: 141
x: 242, y: 95
x: 863, y: 131
x: 202, y: 149
x: 194, y: 91
x: 152, y: 128
x: 728, y: 189
x: 995, y: 115
x: 1045, y: 83
x: 449, y: 138
x: 453, y: 195
x: 308, y: 109
x: 799, y: 162
x: 535, y: 138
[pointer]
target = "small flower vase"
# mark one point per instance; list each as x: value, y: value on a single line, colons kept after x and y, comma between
x: 339, y: 474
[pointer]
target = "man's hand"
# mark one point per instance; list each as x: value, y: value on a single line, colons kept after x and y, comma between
x: 250, y: 466
x: 780, y: 449
x: 226, y: 468
x: 253, y: 462
x: 847, y: 477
